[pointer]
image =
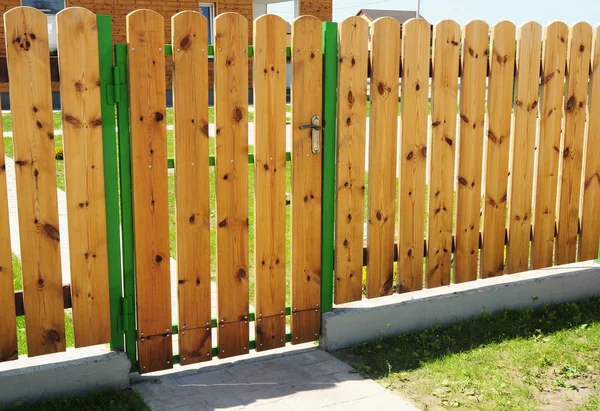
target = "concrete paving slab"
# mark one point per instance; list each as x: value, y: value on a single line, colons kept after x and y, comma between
x: 301, y: 379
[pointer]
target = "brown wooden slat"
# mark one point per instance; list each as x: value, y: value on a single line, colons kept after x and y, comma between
x: 547, y: 153
x: 231, y: 171
x: 307, y: 83
x: 470, y: 149
x: 413, y: 153
x: 350, y: 173
x: 8, y: 325
x: 269, y: 180
x: 590, y: 223
x: 84, y: 174
x: 523, y: 146
x: 155, y: 353
x: 20, y: 307
x: 146, y: 58
x: 383, y: 146
x: 33, y: 141
x: 495, y: 171
x: 192, y: 205
x: 444, y: 93
x: 571, y: 144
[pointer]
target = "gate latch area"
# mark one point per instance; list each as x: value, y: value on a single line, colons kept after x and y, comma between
x: 315, y: 133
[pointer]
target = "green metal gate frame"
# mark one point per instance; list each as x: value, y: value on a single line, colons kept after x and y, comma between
x: 119, y: 212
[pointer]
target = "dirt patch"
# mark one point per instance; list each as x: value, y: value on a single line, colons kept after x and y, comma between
x: 569, y: 393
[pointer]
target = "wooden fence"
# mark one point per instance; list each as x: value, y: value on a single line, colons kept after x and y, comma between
x: 491, y: 147
x: 479, y: 171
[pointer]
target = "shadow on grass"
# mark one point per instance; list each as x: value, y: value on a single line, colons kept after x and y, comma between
x: 410, y: 351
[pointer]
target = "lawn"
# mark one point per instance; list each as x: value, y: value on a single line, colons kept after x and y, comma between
x: 527, y: 360
x: 113, y: 400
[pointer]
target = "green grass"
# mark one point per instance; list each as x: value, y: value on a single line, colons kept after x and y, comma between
x: 21, y: 335
x: 523, y: 360
x: 113, y: 400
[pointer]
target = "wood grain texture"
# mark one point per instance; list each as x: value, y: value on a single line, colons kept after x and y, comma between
x: 413, y: 153
x: 497, y: 145
x: 522, y: 147
x: 8, y: 320
x: 444, y: 97
x: 84, y: 174
x: 350, y: 172
x: 383, y: 146
x: 33, y: 143
x: 571, y: 144
x: 307, y: 85
x: 146, y: 59
x: 192, y: 200
x: 590, y: 223
x: 270, y: 178
x: 470, y: 149
x: 231, y: 111
x: 155, y: 353
x: 195, y: 345
x: 554, y: 52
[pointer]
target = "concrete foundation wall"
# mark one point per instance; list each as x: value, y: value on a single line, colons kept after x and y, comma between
x: 372, y: 319
x: 73, y: 372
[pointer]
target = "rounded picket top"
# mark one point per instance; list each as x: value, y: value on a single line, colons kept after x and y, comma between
x: 531, y: 26
x: 230, y: 18
x: 355, y: 22
x: 188, y: 27
x: 72, y: 23
x: 26, y: 27
x: 144, y: 18
x: 415, y: 24
x: 583, y: 32
x: 270, y: 18
x: 74, y: 13
x: 556, y: 29
x: 269, y: 27
x: 451, y: 27
x: 353, y: 37
x: 386, y: 27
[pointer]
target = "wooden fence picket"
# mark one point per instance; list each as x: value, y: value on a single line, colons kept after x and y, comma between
x: 84, y: 174
x: 8, y: 320
x: 470, y: 149
x: 27, y: 53
x: 444, y: 93
x: 383, y: 146
x: 145, y: 41
x: 554, y: 52
x: 269, y: 181
x: 413, y: 151
x: 307, y: 87
x: 231, y: 171
x: 192, y: 205
x: 590, y: 223
x: 571, y: 144
x: 522, y: 148
x: 351, y: 117
x: 495, y: 172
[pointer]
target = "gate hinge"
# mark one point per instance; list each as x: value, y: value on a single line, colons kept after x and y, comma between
x: 126, y: 311
x: 113, y: 91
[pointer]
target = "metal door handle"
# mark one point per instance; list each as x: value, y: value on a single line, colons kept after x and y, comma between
x: 316, y: 128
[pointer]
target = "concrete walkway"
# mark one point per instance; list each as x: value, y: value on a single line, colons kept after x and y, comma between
x: 299, y: 378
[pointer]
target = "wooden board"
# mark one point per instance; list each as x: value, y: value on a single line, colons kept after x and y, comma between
x: 195, y: 345
x: 192, y: 200
x: 571, y: 144
x: 554, y: 52
x: 33, y: 143
x: 307, y: 85
x: 590, y: 224
x: 145, y: 40
x: 270, y: 331
x: 233, y: 339
x: 231, y: 114
x: 8, y: 320
x: 470, y: 149
x: 444, y: 93
x: 350, y: 172
x: 497, y: 145
x: 307, y: 326
x: 155, y: 353
x: 527, y: 77
x: 383, y: 145
x: 84, y: 174
x: 270, y: 177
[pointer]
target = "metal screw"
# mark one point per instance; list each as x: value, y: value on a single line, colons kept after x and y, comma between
x: 316, y: 335
x: 308, y: 155
x: 160, y: 49
x: 133, y: 49
x: 295, y: 313
x: 149, y: 165
x: 260, y: 51
x: 220, y: 49
x: 183, y: 333
x: 232, y: 161
x: 282, y: 50
x: 184, y: 358
x: 245, y: 317
x: 259, y: 320
x: 296, y: 337
x: 207, y: 329
x: 183, y: 327
x: 142, y: 334
x: 208, y: 354
x: 243, y: 49
x: 316, y: 310
x: 245, y: 348
x: 178, y: 49
x: 202, y: 49
x: 193, y: 164
x: 261, y: 344
x: 168, y: 362
x: 143, y: 339
x: 207, y: 323
x: 144, y: 367
x: 317, y: 305
x: 281, y: 340
x: 245, y: 322
x: 222, y: 326
x: 297, y: 49
x: 318, y: 49
x: 222, y: 351
x: 167, y: 330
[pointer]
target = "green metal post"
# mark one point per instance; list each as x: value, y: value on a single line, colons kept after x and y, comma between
x: 330, y: 44
x: 128, y: 303
x: 111, y: 179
